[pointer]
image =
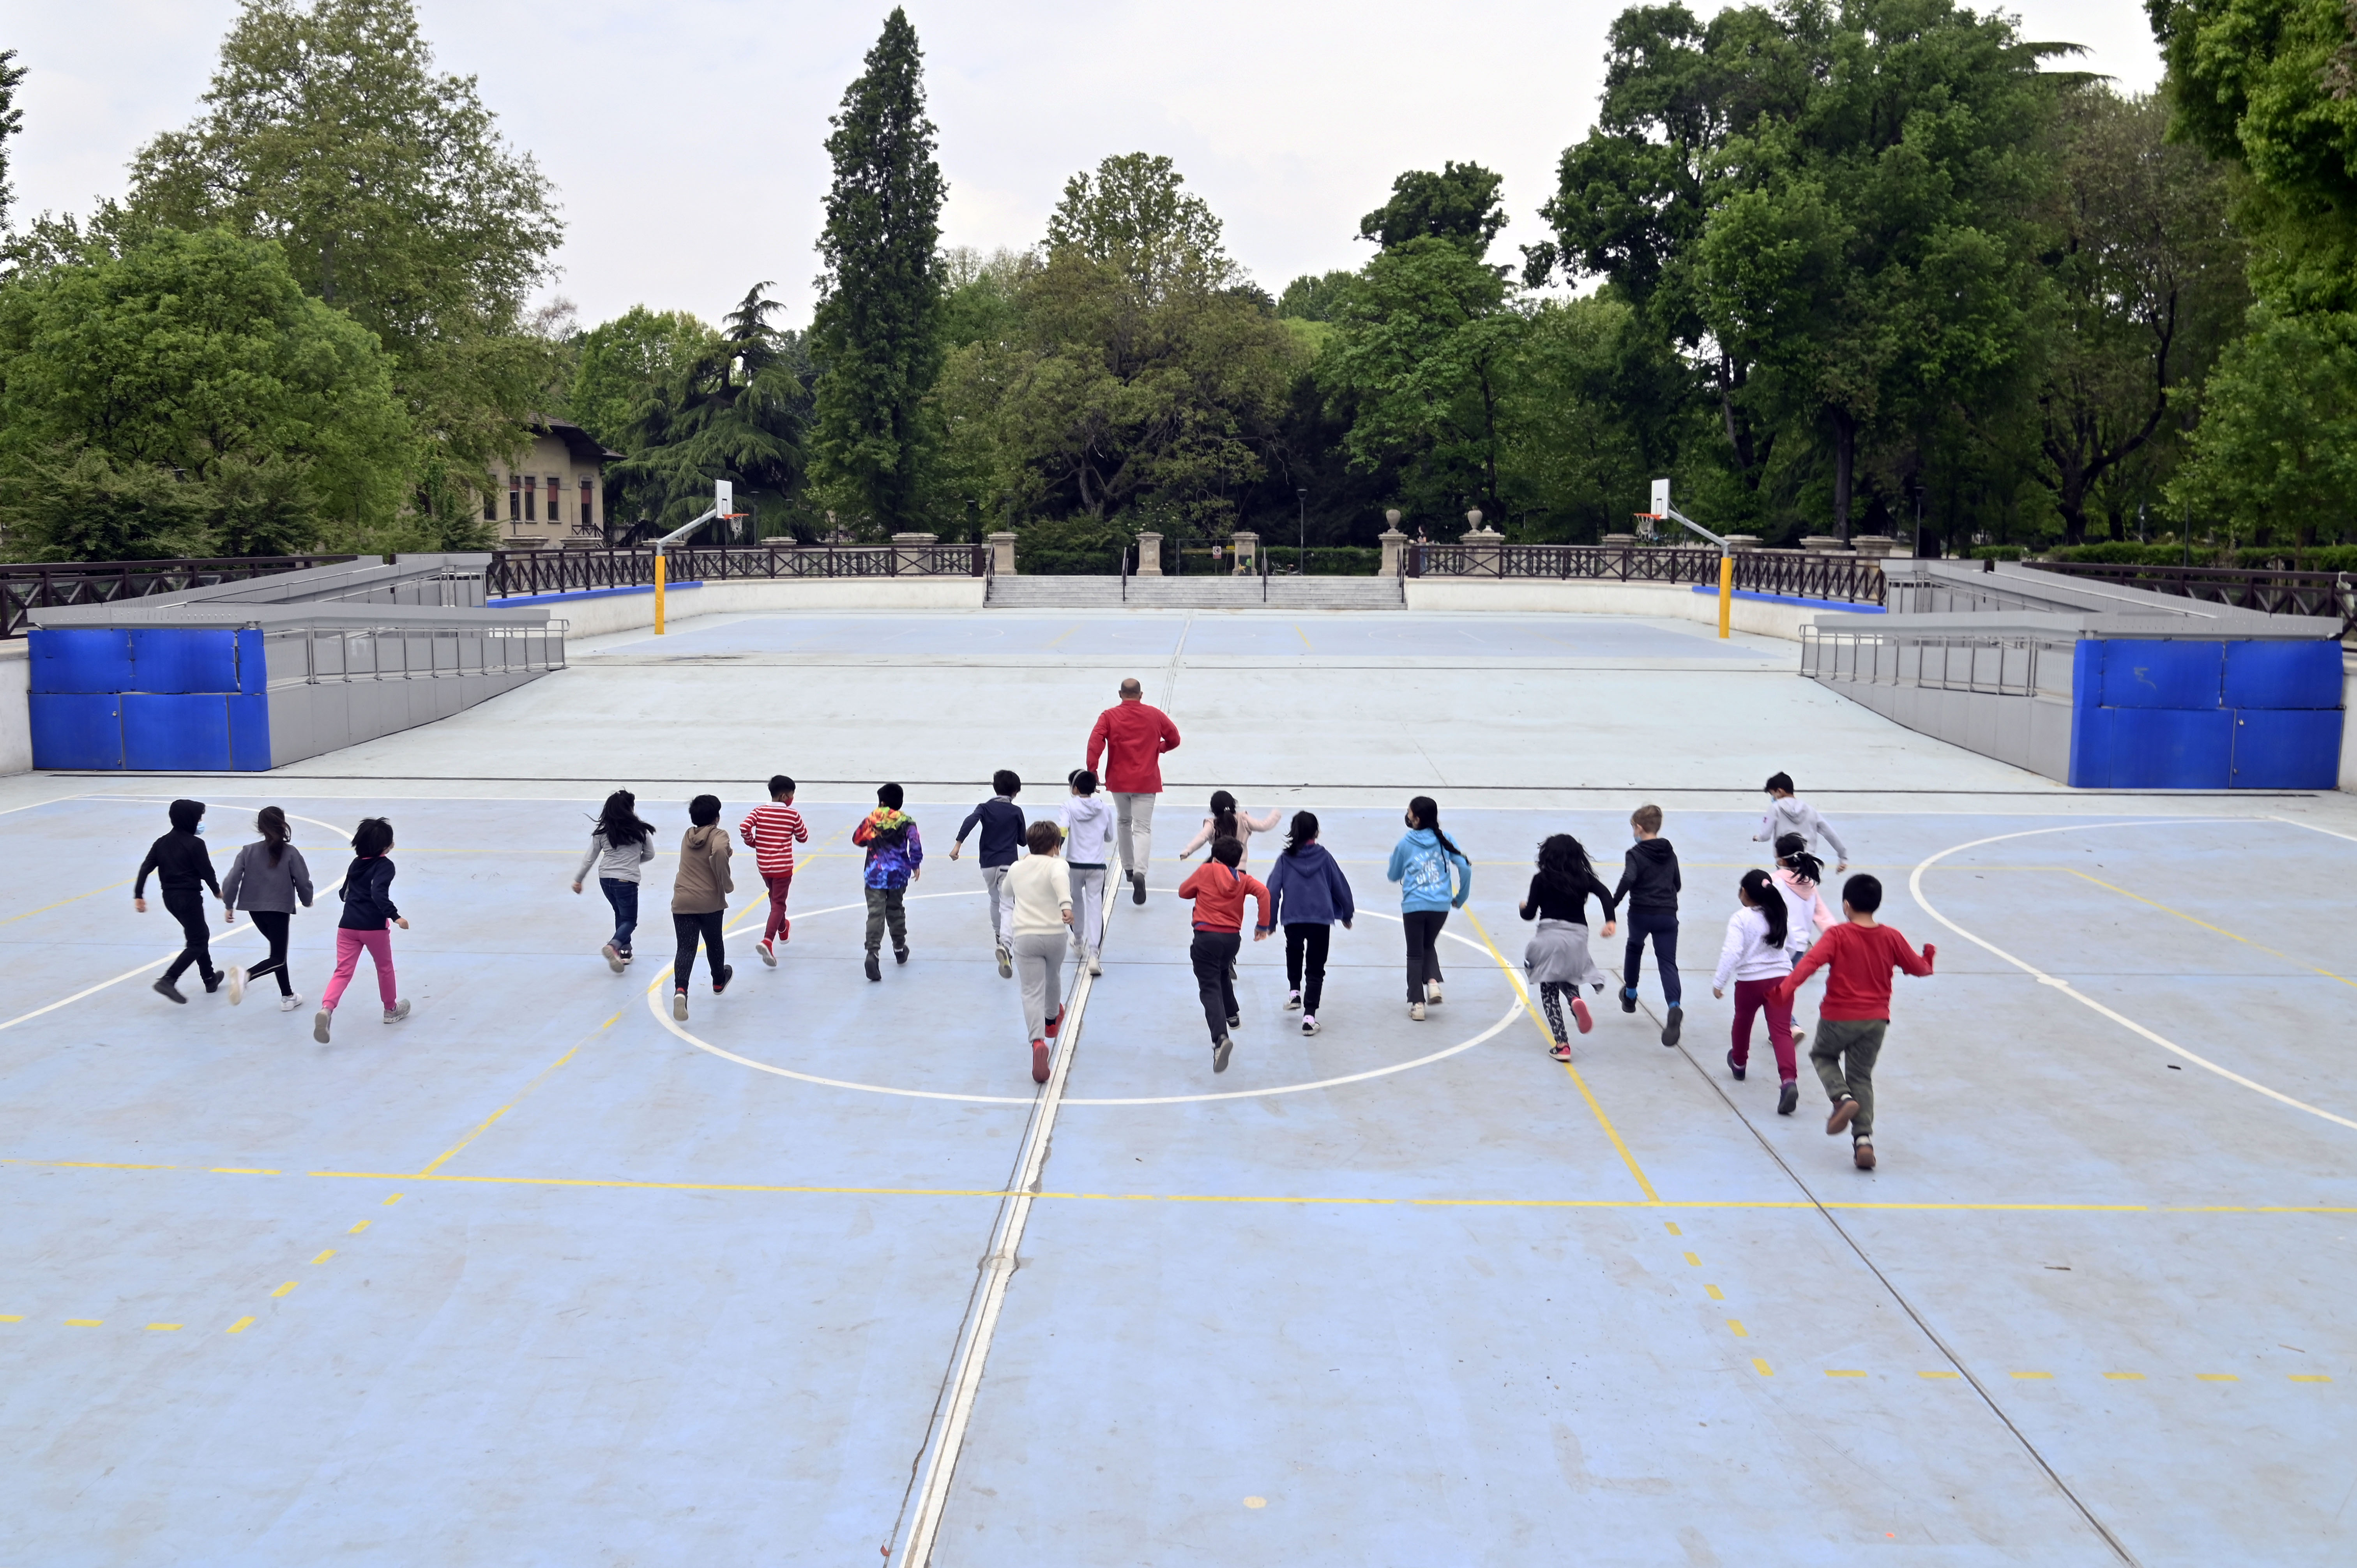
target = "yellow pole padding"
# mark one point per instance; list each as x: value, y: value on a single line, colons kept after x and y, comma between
x: 659, y: 599
x: 1725, y: 593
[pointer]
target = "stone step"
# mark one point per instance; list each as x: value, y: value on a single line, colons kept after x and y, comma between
x: 1196, y: 592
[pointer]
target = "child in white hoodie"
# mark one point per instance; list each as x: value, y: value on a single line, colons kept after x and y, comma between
x: 1753, y: 957
x: 1088, y: 827
x: 1787, y: 813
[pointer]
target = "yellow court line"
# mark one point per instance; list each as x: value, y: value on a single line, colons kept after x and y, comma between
x: 1548, y: 1034
x: 1064, y: 634
x: 692, y: 1185
x: 2220, y: 930
x: 1303, y: 636
x: 63, y: 902
x: 484, y: 1126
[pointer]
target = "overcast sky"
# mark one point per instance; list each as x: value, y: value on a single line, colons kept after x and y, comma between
x: 684, y: 137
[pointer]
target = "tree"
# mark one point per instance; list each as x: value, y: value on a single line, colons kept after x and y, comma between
x: 1314, y: 297
x: 2277, y: 443
x: 327, y: 130
x: 1460, y: 204
x: 1131, y: 216
x: 624, y: 362
x: 736, y: 409
x: 12, y: 121
x: 199, y: 356
x: 875, y: 331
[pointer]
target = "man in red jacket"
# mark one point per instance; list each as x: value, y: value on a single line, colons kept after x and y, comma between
x: 1137, y: 736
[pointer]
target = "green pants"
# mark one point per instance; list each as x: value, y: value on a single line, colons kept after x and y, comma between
x: 1843, y: 1054
x: 884, y: 904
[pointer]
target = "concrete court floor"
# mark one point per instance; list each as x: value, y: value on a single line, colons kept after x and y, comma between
x: 539, y: 1277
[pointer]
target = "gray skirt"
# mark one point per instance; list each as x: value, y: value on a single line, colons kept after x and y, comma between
x: 1558, y: 955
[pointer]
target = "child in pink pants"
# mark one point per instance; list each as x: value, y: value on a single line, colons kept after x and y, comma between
x: 367, y: 893
x: 1753, y: 957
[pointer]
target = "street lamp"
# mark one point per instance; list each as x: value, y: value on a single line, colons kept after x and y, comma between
x: 1301, y: 552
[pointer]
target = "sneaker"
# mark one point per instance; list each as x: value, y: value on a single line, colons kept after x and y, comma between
x: 678, y: 1004
x: 1560, y: 1050
x: 1038, y: 1062
x: 1220, y: 1053
x: 1137, y: 888
x: 169, y: 991
x: 289, y: 1004
x: 613, y: 957
x: 875, y: 970
x: 1582, y: 1015
x: 1094, y: 966
x: 1415, y: 1011
x: 720, y: 982
x: 1862, y: 1153
x: 1787, y: 1096
x: 628, y: 955
x: 1055, y: 1023
x: 1844, y: 1109
x: 1432, y: 991
x: 236, y: 984
x: 1676, y: 1022
x: 899, y: 955
x: 1235, y: 1020
x: 320, y: 1024
x: 1735, y: 1067
x: 1308, y: 1023
x: 1006, y: 962
x: 212, y: 983
x: 397, y: 1012
x: 768, y: 953
x: 1293, y: 1001
x: 1800, y: 1040
x: 1628, y: 1000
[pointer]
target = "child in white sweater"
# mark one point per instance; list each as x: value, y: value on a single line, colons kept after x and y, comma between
x: 1753, y: 957
x: 1042, y: 919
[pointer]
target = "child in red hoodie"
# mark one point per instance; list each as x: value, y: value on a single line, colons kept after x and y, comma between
x: 1855, y: 1012
x: 1218, y: 891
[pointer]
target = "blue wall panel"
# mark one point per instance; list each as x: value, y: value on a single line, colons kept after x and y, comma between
x: 2282, y: 675
x: 2091, y: 737
x: 2288, y: 748
x: 176, y: 733
x: 248, y: 731
x: 173, y: 660
x: 253, y: 672
x: 93, y: 659
x: 2141, y: 675
x: 2158, y: 748
x: 75, y: 729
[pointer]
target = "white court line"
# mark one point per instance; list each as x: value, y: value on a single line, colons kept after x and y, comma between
x: 2311, y: 827
x: 1915, y: 887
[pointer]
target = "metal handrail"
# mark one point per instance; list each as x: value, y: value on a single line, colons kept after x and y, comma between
x: 514, y: 572
x: 1786, y: 573
x: 30, y: 585
x: 2284, y: 592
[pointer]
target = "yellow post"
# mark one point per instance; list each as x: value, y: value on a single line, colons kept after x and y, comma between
x: 1725, y: 593
x: 658, y: 596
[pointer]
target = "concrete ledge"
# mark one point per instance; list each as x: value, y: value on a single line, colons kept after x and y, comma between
x: 15, y: 706
x: 597, y: 612
x: 1756, y: 614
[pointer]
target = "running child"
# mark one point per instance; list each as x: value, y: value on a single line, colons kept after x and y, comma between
x: 1557, y: 959
x: 896, y: 857
x: 1218, y: 890
x: 1307, y: 895
x: 1858, y: 957
x: 1001, y: 821
x: 1650, y: 883
x: 699, y: 901
x: 1797, y: 877
x: 1227, y: 822
x: 184, y: 869
x: 771, y: 831
x: 1040, y: 918
x: 619, y: 845
x: 1087, y: 826
x: 1754, y: 956
x: 1787, y: 813
x: 1422, y: 863
x: 264, y: 880
x: 366, y: 925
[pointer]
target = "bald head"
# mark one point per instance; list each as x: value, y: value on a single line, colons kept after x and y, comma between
x: 1131, y: 691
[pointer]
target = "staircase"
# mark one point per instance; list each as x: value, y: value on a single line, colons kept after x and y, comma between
x: 1202, y: 593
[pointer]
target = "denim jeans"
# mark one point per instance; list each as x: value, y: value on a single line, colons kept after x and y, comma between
x: 624, y: 897
x: 1661, y: 925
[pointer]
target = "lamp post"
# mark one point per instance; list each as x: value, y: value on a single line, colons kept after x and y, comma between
x: 1301, y: 551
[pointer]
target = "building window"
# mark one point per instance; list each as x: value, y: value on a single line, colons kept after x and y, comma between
x: 588, y: 509
x: 491, y: 506
x: 555, y: 498
x: 531, y: 496
x: 515, y: 497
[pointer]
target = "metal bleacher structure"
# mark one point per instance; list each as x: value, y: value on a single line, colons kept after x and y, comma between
x: 248, y: 675
x: 2093, y: 684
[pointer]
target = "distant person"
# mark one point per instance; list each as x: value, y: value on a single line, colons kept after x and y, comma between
x: 771, y: 831
x: 619, y: 846
x: 1309, y: 895
x: 699, y: 901
x: 1557, y: 958
x: 1226, y: 822
x: 1855, y: 1015
x: 1755, y: 959
x: 1787, y: 813
x: 1087, y: 822
x: 1001, y: 821
x: 896, y: 857
x: 265, y: 880
x: 366, y: 925
x: 1040, y: 922
x: 184, y: 869
x: 1649, y: 883
x: 1423, y: 863
x: 1130, y: 738
x: 1218, y: 890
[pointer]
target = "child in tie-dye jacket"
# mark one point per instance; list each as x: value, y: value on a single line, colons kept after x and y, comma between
x: 896, y: 857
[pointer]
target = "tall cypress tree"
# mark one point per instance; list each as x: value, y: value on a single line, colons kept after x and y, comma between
x: 875, y: 331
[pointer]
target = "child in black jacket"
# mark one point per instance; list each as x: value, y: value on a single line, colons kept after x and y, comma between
x: 1650, y: 883
x: 184, y: 869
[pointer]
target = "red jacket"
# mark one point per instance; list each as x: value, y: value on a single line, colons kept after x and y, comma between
x: 1862, y: 957
x: 1219, y: 892
x: 1138, y: 737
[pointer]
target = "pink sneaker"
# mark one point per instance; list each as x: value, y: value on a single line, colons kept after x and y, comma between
x: 1038, y: 1062
x: 1586, y: 1020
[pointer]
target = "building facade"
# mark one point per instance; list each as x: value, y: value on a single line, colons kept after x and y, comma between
x: 553, y: 493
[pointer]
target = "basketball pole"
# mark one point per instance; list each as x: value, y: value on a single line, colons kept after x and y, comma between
x: 1662, y: 509
x: 723, y: 498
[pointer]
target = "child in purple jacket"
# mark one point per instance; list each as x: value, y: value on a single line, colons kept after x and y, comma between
x: 896, y: 857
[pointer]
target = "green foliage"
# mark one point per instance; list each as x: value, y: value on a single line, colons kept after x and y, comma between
x: 1131, y: 216
x: 1459, y: 205
x: 623, y: 363
x: 978, y: 302
x: 1061, y: 546
x: 67, y: 502
x: 736, y: 408
x: 1314, y: 296
x: 1326, y: 560
x: 12, y: 121
x: 1587, y: 393
x: 877, y: 331
x: 2277, y: 444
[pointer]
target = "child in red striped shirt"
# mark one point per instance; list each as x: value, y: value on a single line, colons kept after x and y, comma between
x: 771, y: 831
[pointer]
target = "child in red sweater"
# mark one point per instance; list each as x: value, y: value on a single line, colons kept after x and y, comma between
x: 1218, y: 891
x: 1855, y: 1012
x: 773, y: 831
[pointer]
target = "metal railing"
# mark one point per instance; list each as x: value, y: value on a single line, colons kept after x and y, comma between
x: 1790, y: 573
x: 2272, y: 592
x: 2011, y: 664
x: 347, y: 653
x: 29, y: 585
x: 514, y: 572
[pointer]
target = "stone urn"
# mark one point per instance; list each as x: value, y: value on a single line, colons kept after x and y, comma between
x: 1393, y: 542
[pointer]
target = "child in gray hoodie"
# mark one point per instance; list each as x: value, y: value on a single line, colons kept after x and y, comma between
x: 1788, y: 813
x: 1087, y: 826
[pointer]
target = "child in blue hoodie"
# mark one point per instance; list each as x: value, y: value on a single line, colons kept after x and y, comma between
x: 1420, y: 863
x: 1307, y: 894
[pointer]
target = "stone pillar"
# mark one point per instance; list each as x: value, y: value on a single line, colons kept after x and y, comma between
x: 1481, y: 552
x: 1741, y: 542
x: 1874, y: 545
x: 1820, y: 544
x: 1393, y: 542
x: 906, y: 559
x: 1247, y: 552
x: 1002, y: 555
x: 1149, y: 555
x: 1619, y: 542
